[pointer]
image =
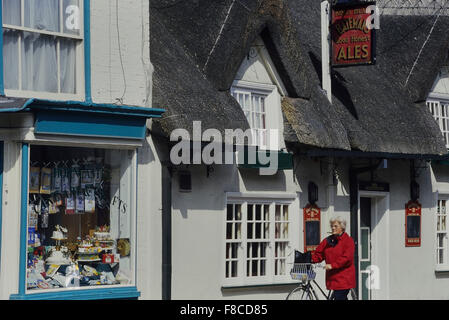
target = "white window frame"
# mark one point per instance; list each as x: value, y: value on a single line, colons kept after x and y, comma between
x: 268, y: 92
x: 270, y: 277
x: 445, y: 265
x: 439, y: 108
x: 79, y: 56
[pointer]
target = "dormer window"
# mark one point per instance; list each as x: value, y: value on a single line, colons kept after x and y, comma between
x: 258, y: 89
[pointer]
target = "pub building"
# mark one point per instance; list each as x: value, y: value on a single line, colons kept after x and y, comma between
x: 374, y: 156
x: 73, y: 217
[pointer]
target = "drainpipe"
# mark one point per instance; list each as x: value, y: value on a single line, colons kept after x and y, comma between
x: 354, y: 209
x: 166, y: 231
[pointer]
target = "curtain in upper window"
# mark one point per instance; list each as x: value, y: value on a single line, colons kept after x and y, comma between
x: 34, y: 61
x: 42, y: 14
x: 13, y: 13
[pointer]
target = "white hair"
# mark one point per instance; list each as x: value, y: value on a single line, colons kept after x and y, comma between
x: 340, y: 220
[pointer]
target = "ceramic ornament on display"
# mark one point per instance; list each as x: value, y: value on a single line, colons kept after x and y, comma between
x: 59, y: 233
x: 59, y: 255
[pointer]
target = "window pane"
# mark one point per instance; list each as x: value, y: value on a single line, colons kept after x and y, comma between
x: 277, y: 213
x: 83, y: 237
x: 234, y: 269
x: 68, y: 66
x: 238, y: 212
x: 39, y: 63
x: 250, y: 212
x: 238, y: 231
x: 262, y: 104
x: 229, y: 231
x: 246, y: 105
x: 11, y: 12
x: 42, y: 14
x: 10, y: 59
x: 234, y: 250
x: 229, y: 209
x: 240, y: 100
x: 256, y: 104
x: 285, y: 213
x: 262, y: 267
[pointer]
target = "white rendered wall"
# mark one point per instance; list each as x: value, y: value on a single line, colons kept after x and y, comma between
x: 109, y: 81
x: 149, y: 222
x: 10, y: 242
x: 199, y: 226
x: 198, y: 232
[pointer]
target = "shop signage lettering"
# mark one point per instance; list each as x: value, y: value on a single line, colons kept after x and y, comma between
x: 122, y: 206
x: 352, y: 35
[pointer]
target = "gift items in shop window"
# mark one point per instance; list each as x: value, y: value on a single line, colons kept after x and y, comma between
x: 79, y: 218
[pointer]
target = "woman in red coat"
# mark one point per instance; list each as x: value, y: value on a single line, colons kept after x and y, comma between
x: 338, y: 252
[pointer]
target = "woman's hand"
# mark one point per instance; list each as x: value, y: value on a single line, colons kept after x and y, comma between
x: 328, y: 267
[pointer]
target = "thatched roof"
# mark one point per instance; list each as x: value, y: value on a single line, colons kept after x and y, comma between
x: 197, y: 47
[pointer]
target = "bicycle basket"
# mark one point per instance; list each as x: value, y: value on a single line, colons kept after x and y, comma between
x: 302, y: 271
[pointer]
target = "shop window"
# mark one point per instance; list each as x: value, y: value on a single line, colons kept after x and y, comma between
x: 81, y: 218
x: 42, y: 43
x: 257, y: 242
x: 440, y: 111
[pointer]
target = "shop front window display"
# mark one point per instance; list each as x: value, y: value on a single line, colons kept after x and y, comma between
x: 80, y: 218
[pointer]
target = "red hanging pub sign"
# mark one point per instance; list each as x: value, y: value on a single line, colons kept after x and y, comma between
x: 353, y: 43
x: 312, y: 227
x: 413, y: 224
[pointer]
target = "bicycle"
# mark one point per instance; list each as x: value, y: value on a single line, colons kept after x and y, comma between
x: 305, y: 272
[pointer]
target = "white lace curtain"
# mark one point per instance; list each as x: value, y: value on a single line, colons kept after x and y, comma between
x: 39, y: 66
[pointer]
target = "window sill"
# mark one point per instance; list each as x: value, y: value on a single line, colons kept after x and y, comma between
x: 89, y: 294
x: 442, y: 269
x: 250, y: 286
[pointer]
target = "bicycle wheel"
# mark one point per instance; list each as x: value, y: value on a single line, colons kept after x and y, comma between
x: 300, y: 293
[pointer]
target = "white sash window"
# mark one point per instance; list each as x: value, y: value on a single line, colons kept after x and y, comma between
x: 441, y: 234
x: 42, y: 48
x: 257, y: 241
